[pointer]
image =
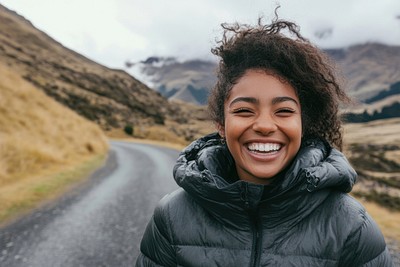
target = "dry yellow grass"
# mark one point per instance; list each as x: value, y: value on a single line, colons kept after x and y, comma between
x: 375, y: 132
x: 169, y: 135
x: 24, y: 195
x: 126, y: 138
x: 380, y: 132
x: 39, y: 137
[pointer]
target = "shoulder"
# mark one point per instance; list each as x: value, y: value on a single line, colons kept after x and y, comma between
x: 157, y: 245
x: 170, y: 203
x: 350, y: 215
x: 167, y: 209
x: 174, y: 208
x: 344, y: 209
x: 363, y: 240
x: 173, y: 198
x: 347, y: 206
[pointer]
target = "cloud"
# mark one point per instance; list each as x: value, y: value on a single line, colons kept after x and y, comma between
x: 186, y: 29
x: 114, y: 31
x: 352, y: 21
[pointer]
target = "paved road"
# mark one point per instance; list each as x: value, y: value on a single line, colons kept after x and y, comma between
x: 100, y: 223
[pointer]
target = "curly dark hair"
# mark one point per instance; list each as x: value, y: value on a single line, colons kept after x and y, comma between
x: 292, y: 58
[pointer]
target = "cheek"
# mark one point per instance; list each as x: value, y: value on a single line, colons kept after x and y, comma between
x: 295, y: 131
x: 230, y: 129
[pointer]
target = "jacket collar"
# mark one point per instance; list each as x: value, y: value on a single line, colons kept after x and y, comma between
x: 205, y: 170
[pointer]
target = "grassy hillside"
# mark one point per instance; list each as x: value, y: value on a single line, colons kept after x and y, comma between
x: 373, y: 148
x: 39, y: 138
x: 111, y: 98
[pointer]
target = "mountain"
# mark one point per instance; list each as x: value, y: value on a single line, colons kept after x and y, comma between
x: 393, y: 90
x: 385, y: 104
x: 189, y: 81
x: 111, y: 98
x: 114, y: 99
x: 368, y: 68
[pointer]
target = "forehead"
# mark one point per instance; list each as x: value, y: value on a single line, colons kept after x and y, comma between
x: 261, y: 85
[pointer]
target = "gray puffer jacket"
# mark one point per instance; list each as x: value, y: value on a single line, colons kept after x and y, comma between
x: 305, y: 218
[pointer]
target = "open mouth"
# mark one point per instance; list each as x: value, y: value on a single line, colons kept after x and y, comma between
x: 264, y: 147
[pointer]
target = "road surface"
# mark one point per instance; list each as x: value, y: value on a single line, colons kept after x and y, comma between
x: 100, y: 223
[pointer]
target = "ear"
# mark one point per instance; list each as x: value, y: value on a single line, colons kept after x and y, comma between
x: 221, y: 130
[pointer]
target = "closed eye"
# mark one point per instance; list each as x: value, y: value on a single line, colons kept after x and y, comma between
x: 285, y: 111
x: 241, y: 111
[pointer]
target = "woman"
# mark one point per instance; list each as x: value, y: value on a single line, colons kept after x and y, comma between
x: 270, y: 188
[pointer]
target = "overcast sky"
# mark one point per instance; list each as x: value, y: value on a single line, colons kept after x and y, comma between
x: 114, y: 31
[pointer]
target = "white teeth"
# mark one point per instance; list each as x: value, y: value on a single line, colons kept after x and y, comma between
x: 264, y: 147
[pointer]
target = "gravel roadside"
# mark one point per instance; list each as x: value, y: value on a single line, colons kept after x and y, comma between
x: 394, y: 248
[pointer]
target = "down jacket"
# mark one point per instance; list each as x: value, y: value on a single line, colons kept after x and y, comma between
x: 305, y: 218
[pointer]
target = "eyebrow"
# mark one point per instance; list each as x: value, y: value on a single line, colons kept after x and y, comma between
x: 281, y: 99
x: 253, y: 100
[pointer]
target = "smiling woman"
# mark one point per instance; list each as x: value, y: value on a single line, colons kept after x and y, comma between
x: 262, y: 126
x: 271, y: 187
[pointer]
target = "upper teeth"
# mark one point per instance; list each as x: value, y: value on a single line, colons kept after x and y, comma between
x: 264, y: 147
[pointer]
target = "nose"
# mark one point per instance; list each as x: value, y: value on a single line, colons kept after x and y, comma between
x: 264, y: 125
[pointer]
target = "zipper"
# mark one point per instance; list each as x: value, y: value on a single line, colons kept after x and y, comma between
x: 256, y: 246
x: 255, y: 223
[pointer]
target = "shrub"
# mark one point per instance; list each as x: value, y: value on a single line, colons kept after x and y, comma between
x: 128, y: 129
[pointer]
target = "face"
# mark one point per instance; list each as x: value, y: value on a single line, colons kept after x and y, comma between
x: 262, y: 126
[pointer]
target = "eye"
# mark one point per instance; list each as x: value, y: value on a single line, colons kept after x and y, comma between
x: 285, y: 111
x: 242, y: 111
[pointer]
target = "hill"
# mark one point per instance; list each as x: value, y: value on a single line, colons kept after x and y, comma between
x: 369, y: 68
x: 54, y: 107
x: 384, y: 105
x: 110, y: 98
x: 189, y: 81
x: 39, y: 138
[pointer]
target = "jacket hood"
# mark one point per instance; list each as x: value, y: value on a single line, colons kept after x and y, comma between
x: 206, y: 171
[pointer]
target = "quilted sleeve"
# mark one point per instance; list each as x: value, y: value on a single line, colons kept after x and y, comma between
x: 366, y: 247
x: 156, y: 248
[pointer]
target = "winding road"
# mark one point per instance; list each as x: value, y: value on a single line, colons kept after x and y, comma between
x: 101, y: 222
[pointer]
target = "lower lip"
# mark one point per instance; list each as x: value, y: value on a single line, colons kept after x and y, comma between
x: 259, y: 156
